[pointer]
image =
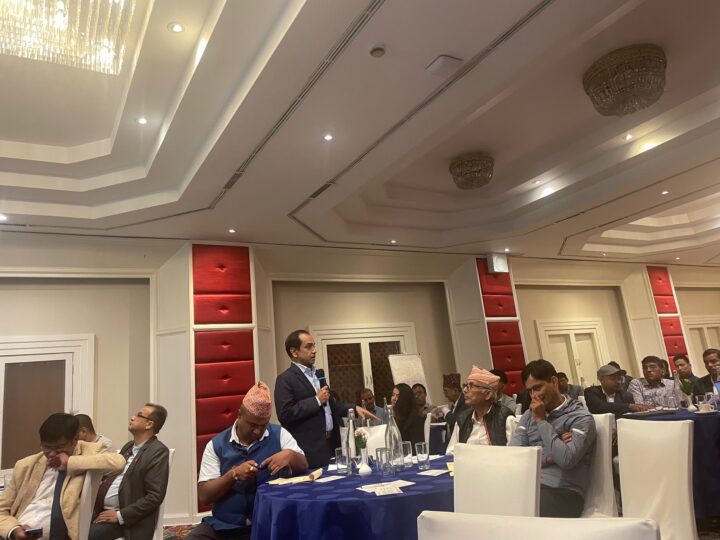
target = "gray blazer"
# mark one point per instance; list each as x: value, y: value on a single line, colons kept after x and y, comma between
x: 142, y: 489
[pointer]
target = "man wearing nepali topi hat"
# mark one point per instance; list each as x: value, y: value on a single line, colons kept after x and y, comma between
x: 237, y: 460
x: 484, y: 421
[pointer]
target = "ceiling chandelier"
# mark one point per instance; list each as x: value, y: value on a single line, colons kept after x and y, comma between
x: 626, y: 80
x: 87, y: 34
x: 472, y: 171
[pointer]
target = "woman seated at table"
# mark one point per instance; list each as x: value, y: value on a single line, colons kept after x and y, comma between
x: 484, y: 421
x: 409, y: 422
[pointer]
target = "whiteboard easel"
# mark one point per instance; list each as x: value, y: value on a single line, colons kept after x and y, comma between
x: 408, y: 369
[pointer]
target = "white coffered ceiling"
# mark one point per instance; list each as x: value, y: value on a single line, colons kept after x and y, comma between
x: 238, y: 105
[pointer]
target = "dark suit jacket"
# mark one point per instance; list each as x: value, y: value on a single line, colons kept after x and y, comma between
x: 597, y: 402
x: 703, y: 385
x: 298, y: 411
x: 142, y: 489
x: 451, y: 417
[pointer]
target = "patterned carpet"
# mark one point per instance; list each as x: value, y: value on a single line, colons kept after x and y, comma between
x: 178, y: 531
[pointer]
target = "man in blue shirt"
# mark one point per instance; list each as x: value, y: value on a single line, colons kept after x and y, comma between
x: 239, y: 459
x: 565, y: 430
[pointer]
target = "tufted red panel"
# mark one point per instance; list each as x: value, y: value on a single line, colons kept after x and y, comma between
x: 498, y: 305
x: 504, y: 333
x: 514, y: 385
x: 507, y: 357
x: 219, y: 269
x: 200, y: 443
x: 493, y: 283
x: 214, y: 414
x: 670, y: 326
x: 665, y: 304
x: 224, y: 378
x: 223, y: 346
x: 222, y: 308
x: 675, y: 345
x: 660, y: 281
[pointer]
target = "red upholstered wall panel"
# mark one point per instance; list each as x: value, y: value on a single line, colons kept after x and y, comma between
x: 200, y: 443
x: 499, y: 305
x: 214, y: 414
x: 221, y: 269
x: 670, y: 326
x: 660, y: 281
x: 675, y: 345
x: 665, y: 304
x: 504, y: 333
x: 222, y: 308
x: 514, y: 385
x: 493, y: 283
x: 223, y: 346
x: 224, y: 378
x: 508, y: 357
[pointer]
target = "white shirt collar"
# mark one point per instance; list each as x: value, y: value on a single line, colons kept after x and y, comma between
x: 305, y: 369
x: 562, y: 405
x: 234, y: 438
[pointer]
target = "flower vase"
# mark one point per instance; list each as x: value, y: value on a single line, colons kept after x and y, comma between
x: 364, y: 469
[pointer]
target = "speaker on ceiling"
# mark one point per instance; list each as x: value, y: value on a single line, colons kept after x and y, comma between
x: 497, y: 263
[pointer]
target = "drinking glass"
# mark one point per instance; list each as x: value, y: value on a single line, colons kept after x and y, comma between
x: 341, y: 461
x: 423, y: 457
x: 710, y: 399
x: 407, y: 454
x: 384, y: 464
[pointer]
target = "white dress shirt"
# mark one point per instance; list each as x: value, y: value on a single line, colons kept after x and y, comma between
x: 309, y: 373
x: 111, y: 498
x: 478, y: 435
x: 37, y: 513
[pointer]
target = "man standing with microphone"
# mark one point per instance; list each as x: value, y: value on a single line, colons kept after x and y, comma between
x: 303, y: 403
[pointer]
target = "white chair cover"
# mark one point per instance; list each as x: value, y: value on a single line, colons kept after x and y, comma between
x: 656, y: 474
x: 159, y: 525
x: 600, y: 496
x: 428, y: 420
x: 87, y: 501
x: 502, y: 480
x: 510, y: 426
x: 444, y: 525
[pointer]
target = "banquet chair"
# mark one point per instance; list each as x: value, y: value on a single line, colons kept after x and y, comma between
x: 158, y: 535
x: 510, y: 426
x: 428, y: 420
x: 600, y: 495
x: 501, y: 480
x: 376, y: 439
x: 650, y: 487
x: 87, y: 501
x: 442, y: 525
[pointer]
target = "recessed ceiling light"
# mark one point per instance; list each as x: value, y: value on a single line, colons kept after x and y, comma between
x: 3, y: 217
x: 232, y: 231
x: 377, y: 51
x: 677, y: 258
x: 664, y: 192
x: 604, y: 254
x: 175, y: 27
x: 393, y: 241
x: 507, y: 250
x: 142, y: 120
x: 547, y: 191
x: 328, y: 137
x: 628, y: 136
x: 536, y: 182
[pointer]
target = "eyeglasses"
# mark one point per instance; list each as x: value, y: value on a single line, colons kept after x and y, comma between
x: 469, y: 386
x: 141, y: 415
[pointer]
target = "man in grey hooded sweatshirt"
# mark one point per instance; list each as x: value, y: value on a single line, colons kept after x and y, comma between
x: 565, y: 430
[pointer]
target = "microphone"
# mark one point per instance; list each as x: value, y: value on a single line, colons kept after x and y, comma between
x: 320, y: 374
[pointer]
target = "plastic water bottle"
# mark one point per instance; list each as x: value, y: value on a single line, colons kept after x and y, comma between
x: 393, y: 442
x: 349, y: 443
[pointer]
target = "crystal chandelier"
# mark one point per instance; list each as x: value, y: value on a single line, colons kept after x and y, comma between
x: 472, y: 171
x: 626, y: 80
x: 88, y: 34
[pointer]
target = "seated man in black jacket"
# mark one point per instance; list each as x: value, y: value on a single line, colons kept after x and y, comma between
x: 609, y: 397
x: 710, y: 382
x: 484, y: 421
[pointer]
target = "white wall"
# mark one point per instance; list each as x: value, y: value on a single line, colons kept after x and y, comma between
x: 304, y: 304
x: 576, y: 303
x: 116, y: 311
x: 698, y: 301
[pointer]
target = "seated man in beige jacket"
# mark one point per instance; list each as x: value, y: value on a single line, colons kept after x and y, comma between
x: 44, y: 492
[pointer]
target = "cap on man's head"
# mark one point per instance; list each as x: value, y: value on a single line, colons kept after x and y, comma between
x: 451, y: 380
x: 257, y: 401
x: 609, y: 369
x: 483, y: 376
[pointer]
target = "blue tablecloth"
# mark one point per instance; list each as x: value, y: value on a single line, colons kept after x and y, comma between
x: 706, y: 460
x: 337, y: 510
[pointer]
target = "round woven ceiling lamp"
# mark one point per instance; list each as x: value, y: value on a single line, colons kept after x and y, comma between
x: 626, y: 80
x: 472, y: 171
